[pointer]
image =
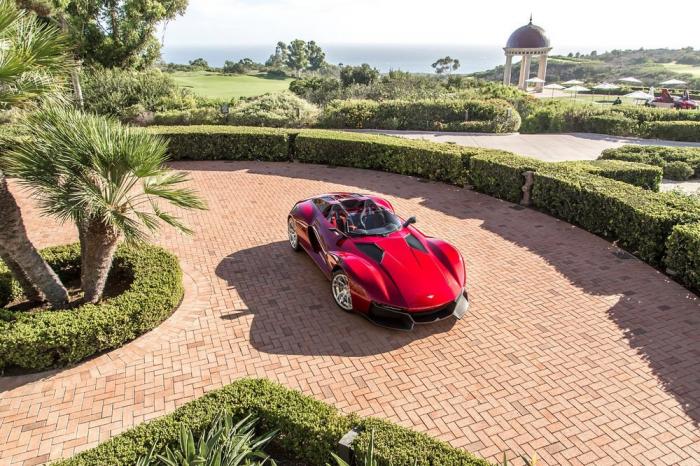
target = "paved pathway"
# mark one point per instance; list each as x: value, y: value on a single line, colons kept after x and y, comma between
x: 570, y: 349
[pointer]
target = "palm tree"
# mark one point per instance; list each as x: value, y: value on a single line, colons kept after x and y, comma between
x: 33, y: 57
x: 108, y: 178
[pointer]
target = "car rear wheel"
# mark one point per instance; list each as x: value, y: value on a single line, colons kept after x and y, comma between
x: 292, y: 233
x: 340, y: 287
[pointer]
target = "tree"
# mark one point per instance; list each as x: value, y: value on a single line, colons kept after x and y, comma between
x: 34, y: 61
x: 297, y: 55
x: 117, y: 33
x: 279, y: 58
x: 446, y: 65
x: 363, y: 74
x: 199, y: 63
x: 109, y: 179
x: 317, y: 57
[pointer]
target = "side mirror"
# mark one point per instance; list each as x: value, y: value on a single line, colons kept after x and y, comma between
x: 409, y: 221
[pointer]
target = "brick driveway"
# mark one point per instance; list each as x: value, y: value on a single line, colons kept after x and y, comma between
x: 571, y: 348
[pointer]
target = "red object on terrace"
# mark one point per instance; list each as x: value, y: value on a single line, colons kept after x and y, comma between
x: 379, y: 265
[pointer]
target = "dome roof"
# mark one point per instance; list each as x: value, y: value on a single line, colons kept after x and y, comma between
x: 528, y: 37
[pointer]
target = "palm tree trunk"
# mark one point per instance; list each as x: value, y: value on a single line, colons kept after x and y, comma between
x: 30, y: 291
x: 100, y: 243
x: 14, y: 240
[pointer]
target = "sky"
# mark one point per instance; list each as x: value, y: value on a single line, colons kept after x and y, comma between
x: 588, y: 25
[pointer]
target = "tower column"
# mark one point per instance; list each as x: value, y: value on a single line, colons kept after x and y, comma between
x: 524, y: 72
x: 508, y: 69
x: 542, y: 71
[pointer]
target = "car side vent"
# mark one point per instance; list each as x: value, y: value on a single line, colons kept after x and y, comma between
x: 371, y: 250
x: 414, y: 243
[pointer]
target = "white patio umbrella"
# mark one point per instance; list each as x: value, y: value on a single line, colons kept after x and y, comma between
x: 576, y: 90
x: 673, y: 82
x: 631, y: 80
x: 572, y: 82
x: 554, y: 87
x: 639, y: 95
x: 535, y: 81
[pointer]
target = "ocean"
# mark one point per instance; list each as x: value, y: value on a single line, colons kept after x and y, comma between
x: 413, y: 58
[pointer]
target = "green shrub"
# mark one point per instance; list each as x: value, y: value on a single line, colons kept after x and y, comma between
x: 673, y: 130
x: 434, y: 161
x: 683, y: 254
x: 639, y: 219
x: 224, y: 143
x: 613, y: 123
x: 397, y: 446
x: 194, y: 116
x: 54, y: 338
x: 278, y: 110
x: 500, y: 174
x: 655, y: 155
x: 678, y: 170
x: 496, y: 116
x: 637, y: 174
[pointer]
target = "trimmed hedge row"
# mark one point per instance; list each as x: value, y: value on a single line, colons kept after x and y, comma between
x: 54, y: 338
x: 307, y: 429
x: 224, y: 142
x: 683, y: 254
x: 637, y: 174
x: 639, y: 219
x: 494, y: 116
x: 655, y: 155
x: 434, y: 161
x: 674, y: 130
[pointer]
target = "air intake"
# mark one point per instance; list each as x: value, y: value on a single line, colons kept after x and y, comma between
x: 414, y: 243
x: 371, y: 250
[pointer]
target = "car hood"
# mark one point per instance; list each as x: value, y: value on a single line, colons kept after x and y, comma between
x: 414, y: 279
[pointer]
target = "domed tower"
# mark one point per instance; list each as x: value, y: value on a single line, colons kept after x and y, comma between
x: 527, y: 41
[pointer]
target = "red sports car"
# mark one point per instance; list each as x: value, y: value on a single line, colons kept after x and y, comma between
x: 379, y: 265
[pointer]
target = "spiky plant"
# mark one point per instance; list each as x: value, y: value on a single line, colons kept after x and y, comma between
x: 109, y: 179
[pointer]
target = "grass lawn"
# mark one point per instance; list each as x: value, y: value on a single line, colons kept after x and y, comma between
x: 220, y: 86
x: 678, y: 68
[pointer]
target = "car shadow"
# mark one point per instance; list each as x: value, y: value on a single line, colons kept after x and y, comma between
x: 659, y: 319
x: 293, y: 311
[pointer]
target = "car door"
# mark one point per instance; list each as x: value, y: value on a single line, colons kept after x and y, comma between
x: 328, y: 237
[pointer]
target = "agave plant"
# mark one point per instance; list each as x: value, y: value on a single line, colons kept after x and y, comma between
x: 224, y: 443
x: 109, y: 179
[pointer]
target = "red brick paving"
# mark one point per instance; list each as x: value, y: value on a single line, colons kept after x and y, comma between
x: 569, y: 350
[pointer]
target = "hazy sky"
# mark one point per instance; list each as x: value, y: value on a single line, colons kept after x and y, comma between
x: 589, y: 24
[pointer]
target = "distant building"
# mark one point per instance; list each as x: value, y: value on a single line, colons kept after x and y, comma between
x: 527, y: 41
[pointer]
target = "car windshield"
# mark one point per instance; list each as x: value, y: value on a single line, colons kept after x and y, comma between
x: 363, y: 217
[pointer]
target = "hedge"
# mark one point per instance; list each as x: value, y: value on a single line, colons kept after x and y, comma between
x: 637, y: 174
x: 224, y: 142
x: 683, y: 254
x: 655, y: 155
x: 500, y: 174
x: 494, y: 115
x: 55, y: 338
x: 639, y: 219
x: 307, y: 429
x: 674, y: 130
x: 434, y: 161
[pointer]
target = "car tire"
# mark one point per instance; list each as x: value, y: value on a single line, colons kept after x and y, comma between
x: 340, y: 290
x: 293, y: 234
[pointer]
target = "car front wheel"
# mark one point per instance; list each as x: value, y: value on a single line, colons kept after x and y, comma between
x: 340, y: 287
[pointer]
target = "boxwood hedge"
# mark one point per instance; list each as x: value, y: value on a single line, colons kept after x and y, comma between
x: 683, y: 254
x: 307, y: 430
x: 639, y: 219
x: 54, y: 338
x: 224, y: 142
x: 674, y: 130
x: 655, y: 155
x: 493, y: 116
x: 637, y: 174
